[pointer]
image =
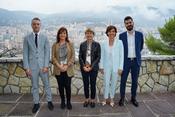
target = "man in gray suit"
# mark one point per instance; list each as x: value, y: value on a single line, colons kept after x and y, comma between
x: 36, y: 56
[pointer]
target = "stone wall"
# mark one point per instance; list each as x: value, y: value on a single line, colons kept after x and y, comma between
x: 157, y: 74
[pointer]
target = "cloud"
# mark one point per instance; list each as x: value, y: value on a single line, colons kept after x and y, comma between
x: 149, y: 14
x: 152, y: 10
x: 63, y: 6
x: 55, y: 6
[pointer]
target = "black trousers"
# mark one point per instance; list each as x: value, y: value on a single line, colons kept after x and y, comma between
x: 64, y: 82
x: 89, y: 78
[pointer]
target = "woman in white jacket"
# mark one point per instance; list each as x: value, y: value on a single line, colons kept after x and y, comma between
x: 111, y: 63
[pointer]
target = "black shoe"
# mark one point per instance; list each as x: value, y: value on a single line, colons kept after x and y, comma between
x: 92, y: 104
x: 50, y: 106
x: 121, y: 102
x: 69, y: 106
x: 35, y: 108
x: 134, y: 102
x: 63, y: 105
x: 85, y: 104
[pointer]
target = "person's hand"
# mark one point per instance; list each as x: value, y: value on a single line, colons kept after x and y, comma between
x: 85, y: 69
x: 65, y: 67
x: 89, y: 68
x: 28, y: 73
x: 120, y: 72
x: 102, y: 71
x: 45, y: 69
x: 61, y: 67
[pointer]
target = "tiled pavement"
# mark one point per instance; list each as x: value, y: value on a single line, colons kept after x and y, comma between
x: 151, y: 105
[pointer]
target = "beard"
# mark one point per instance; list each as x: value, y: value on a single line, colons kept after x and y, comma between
x: 129, y: 28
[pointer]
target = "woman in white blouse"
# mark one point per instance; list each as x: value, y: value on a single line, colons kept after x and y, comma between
x: 111, y: 63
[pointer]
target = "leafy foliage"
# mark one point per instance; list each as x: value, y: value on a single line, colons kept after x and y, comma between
x: 166, y: 44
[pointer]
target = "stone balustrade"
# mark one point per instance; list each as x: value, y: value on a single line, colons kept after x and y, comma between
x: 157, y: 73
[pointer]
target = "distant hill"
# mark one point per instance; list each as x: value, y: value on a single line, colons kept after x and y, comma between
x: 113, y: 15
x: 16, y: 17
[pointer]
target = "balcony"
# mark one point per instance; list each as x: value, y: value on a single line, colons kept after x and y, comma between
x: 157, y: 73
x: 156, y: 92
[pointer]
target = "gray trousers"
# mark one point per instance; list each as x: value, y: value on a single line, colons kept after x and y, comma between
x: 35, y: 85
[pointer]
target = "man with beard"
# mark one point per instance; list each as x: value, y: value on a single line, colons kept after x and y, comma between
x: 133, y: 45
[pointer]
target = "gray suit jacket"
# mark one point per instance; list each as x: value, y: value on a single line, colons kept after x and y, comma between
x: 34, y: 57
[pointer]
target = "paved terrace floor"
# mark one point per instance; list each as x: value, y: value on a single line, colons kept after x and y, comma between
x: 151, y: 105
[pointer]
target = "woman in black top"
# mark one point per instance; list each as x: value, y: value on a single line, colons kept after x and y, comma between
x: 89, y: 57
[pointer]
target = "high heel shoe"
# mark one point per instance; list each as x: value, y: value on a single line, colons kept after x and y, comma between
x: 112, y: 104
x: 103, y: 103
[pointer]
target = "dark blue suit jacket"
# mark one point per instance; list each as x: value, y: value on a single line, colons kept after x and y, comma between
x: 139, y: 41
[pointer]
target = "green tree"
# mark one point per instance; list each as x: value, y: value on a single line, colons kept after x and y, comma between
x: 166, y: 44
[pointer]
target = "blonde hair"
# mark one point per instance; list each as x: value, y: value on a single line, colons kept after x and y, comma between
x: 89, y: 30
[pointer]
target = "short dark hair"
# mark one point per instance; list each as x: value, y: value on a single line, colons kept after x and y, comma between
x: 62, y: 29
x: 36, y: 18
x: 109, y: 28
x: 127, y: 18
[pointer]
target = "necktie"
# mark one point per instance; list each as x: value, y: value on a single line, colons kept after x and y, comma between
x: 36, y: 40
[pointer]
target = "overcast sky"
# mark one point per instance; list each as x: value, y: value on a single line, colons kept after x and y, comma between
x: 62, y: 6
